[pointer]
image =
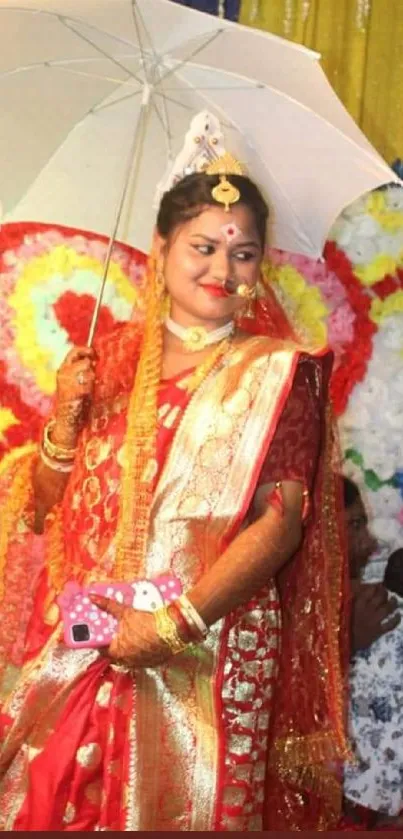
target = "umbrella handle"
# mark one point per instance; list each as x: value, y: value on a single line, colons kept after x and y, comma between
x: 98, y: 304
x: 132, y: 163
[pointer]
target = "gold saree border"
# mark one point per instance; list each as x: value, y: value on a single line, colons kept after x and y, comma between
x: 16, y: 499
x: 19, y: 462
x: 256, y: 406
x: 45, y: 680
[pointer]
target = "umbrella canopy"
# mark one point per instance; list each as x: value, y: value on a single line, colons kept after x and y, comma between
x: 98, y: 95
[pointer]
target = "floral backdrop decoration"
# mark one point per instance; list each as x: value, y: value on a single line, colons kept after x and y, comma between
x: 351, y: 299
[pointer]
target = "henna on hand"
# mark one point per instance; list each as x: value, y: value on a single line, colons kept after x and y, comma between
x: 74, y: 387
x: 136, y: 643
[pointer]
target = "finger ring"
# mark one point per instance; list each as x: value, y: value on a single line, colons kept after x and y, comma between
x: 80, y: 378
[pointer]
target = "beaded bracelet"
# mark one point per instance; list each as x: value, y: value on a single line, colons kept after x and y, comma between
x: 167, y: 631
x: 51, y: 449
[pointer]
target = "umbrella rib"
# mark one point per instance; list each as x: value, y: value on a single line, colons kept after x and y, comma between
x: 88, y: 60
x: 175, y: 101
x: 167, y: 126
x: 140, y: 42
x: 148, y: 78
x: 65, y: 22
x: 59, y: 65
x: 223, y: 119
x: 255, y: 85
x: 137, y: 16
x: 192, y: 55
x: 164, y: 127
x: 251, y: 86
x: 73, y: 72
x: 104, y: 105
x: 191, y: 108
x: 77, y: 20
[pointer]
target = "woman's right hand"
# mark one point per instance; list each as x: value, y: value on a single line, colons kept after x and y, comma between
x: 75, y: 384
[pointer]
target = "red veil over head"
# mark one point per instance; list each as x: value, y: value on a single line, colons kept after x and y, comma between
x: 308, y: 740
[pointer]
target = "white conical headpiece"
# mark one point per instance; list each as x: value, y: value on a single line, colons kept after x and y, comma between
x: 204, y: 143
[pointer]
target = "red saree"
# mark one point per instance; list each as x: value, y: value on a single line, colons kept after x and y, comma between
x: 227, y: 737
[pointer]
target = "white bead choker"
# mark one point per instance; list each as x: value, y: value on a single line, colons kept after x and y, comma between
x: 197, y: 337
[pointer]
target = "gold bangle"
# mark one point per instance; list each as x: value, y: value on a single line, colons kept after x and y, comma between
x: 56, y: 465
x: 167, y: 631
x: 52, y: 450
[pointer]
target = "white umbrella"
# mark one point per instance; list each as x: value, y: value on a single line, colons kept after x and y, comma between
x: 98, y: 94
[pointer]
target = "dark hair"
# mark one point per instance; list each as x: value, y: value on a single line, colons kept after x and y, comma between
x: 188, y: 198
x: 393, y: 577
x: 351, y: 492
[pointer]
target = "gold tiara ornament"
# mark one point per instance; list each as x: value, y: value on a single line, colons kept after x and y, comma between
x: 225, y: 192
x: 204, y: 151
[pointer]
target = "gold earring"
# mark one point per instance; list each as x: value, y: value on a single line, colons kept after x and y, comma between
x: 249, y: 296
x: 250, y: 308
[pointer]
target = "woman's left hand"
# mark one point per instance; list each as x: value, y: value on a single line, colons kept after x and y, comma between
x: 136, y: 642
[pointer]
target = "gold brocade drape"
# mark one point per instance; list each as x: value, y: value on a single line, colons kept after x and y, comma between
x: 361, y: 43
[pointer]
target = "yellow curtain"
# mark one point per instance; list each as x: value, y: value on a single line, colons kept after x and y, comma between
x: 361, y: 43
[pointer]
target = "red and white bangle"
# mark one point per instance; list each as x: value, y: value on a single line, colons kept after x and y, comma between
x: 191, y: 615
x: 186, y: 631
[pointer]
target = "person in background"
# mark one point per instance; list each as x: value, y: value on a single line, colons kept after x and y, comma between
x: 393, y: 577
x: 373, y: 785
x: 373, y: 613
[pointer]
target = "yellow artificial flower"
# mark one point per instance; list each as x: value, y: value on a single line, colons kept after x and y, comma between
x: 302, y: 302
x: 381, y: 309
x: 376, y: 270
x: 291, y: 281
x: 62, y: 261
x: 390, y: 220
x: 7, y: 420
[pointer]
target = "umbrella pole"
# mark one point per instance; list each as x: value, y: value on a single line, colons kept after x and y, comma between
x: 134, y: 157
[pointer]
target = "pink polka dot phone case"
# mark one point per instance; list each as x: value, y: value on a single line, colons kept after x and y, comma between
x: 85, y: 625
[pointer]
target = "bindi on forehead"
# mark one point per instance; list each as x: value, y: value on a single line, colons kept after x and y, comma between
x: 230, y: 232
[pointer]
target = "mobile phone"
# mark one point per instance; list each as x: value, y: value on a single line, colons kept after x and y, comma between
x: 85, y: 625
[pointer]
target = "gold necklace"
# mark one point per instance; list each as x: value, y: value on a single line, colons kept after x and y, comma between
x: 202, y: 370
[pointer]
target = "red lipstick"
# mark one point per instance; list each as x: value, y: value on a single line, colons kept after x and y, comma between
x: 215, y: 290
